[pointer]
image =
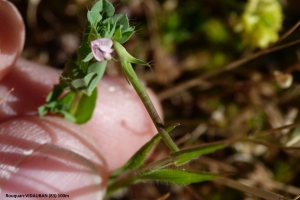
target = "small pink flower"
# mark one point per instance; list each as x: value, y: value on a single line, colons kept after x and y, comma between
x: 101, y: 49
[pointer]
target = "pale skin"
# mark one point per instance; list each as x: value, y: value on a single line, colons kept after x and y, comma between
x: 42, y: 155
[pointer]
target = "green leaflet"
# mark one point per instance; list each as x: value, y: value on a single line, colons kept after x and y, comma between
x: 93, y: 35
x: 118, y: 34
x: 108, y: 8
x: 122, y: 21
x: 98, y: 7
x: 61, y: 106
x: 124, y: 37
x: 179, y: 177
x: 93, y: 18
x: 86, y: 107
x: 83, y: 83
x: 89, y: 57
x: 99, y: 69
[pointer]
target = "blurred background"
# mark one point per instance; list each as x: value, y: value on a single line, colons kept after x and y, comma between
x: 189, y: 45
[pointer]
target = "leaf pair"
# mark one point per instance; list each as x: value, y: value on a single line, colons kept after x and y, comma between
x: 163, y: 169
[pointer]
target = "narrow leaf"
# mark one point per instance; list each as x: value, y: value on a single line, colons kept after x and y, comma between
x: 140, y: 156
x: 179, y: 177
x: 184, y: 156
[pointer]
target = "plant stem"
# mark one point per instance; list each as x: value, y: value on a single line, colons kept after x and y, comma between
x: 134, y: 80
x: 75, y: 103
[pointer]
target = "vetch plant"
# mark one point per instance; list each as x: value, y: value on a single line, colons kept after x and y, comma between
x: 75, y: 96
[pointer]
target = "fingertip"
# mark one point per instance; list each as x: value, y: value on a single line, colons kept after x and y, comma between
x: 12, y: 36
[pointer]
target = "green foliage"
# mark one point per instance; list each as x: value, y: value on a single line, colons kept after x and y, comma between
x: 185, y: 156
x: 140, y: 156
x: 125, y: 57
x: 85, y: 108
x: 180, y: 177
x: 79, y: 79
x: 163, y: 169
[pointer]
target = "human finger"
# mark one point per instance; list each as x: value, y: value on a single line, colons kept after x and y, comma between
x: 50, y: 156
x: 12, y: 36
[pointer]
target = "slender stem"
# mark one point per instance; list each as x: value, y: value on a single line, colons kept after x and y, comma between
x: 75, y: 103
x: 121, y: 183
x: 134, y: 80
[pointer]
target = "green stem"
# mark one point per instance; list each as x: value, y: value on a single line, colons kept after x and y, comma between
x: 134, y: 80
x: 121, y: 183
x: 75, y: 103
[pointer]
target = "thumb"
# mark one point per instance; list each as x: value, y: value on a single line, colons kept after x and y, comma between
x: 12, y: 35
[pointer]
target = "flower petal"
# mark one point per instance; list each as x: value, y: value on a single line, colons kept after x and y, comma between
x: 105, y: 42
x: 107, y: 56
x: 98, y: 55
x: 105, y: 49
x: 101, y: 48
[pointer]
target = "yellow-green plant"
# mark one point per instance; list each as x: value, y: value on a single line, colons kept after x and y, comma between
x: 260, y: 23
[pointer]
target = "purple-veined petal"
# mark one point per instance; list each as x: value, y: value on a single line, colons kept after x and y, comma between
x: 98, y: 55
